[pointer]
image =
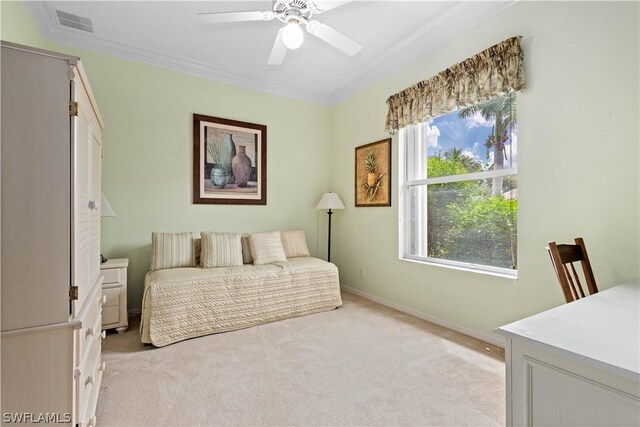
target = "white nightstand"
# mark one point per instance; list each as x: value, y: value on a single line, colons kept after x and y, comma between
x: 114, y: 288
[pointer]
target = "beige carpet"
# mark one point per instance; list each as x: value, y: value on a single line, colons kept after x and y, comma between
x: 362, y: 364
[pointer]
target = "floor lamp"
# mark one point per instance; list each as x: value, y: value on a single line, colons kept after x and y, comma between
x: 330, y: 201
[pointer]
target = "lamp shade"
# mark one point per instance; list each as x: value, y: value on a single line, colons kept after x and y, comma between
x: 330, y: 201
x: 105, y: 207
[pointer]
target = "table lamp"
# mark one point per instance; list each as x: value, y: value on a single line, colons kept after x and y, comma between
x: 105, y: 210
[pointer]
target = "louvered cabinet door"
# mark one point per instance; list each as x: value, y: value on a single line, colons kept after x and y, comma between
x: 82, y: 197
x: 88, y: 153
x: 94, y: 224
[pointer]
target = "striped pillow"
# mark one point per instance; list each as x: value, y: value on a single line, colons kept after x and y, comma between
x: 266, y: 248
x: 173, y: 250
x: 294, y: 243
x: 221, y: 250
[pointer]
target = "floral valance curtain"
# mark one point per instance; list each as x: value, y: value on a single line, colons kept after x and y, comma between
x: 494, y: 71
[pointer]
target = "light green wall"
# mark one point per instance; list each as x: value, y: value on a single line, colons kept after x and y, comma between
x: 147, y: 165
x: 16, y: 24
x: 578, y: 165
x: 578, y: 156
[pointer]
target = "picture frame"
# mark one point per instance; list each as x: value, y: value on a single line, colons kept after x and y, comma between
x: 373, y: 174
x: 229, y: 161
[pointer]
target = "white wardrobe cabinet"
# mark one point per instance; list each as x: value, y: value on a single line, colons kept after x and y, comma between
x: 50, y: 254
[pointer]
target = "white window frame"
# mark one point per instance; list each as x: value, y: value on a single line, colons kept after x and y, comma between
x: 405, y: 186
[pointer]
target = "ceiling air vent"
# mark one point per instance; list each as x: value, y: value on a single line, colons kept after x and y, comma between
x: 74, y: 21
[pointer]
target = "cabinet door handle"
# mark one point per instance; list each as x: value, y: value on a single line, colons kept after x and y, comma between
x: 103, y: 300
x: 103, y: 366
x: 103, y: 334
x: 89, y: 380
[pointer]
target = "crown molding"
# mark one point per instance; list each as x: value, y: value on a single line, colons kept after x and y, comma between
x: 434, y: 34
x: 51, y: 30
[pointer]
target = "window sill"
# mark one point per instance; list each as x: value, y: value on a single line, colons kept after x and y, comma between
x: 469, y: 268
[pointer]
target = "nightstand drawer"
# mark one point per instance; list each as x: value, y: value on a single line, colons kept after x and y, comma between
x: 114, y: 291
x: 113, y: 296
x: 110, y: 315
x: 113, y: 275
x: 111, y: 307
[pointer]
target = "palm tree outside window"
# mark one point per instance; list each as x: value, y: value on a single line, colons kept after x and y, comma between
x: 459, y: 188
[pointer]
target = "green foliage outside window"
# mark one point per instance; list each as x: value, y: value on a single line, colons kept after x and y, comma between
x: 465, y: 221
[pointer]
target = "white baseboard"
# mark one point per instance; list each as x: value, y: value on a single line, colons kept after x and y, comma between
x: 494, y: 340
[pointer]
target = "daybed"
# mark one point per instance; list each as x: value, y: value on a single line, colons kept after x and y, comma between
x: 182, y: 303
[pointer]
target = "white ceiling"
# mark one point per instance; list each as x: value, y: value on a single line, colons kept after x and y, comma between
x: 167, y: 34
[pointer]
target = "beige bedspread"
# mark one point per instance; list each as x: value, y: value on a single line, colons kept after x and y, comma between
x: 182, y: 303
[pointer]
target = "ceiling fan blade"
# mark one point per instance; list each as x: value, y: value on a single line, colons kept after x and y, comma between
x: 224, y: 17
x: 324, y: 5
x: 334, y: 37
x: 279, y: 50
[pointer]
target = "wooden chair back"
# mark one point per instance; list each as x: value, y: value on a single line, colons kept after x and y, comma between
x: 563, y: 258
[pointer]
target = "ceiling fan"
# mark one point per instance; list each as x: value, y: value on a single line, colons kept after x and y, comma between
x: 294, y: 13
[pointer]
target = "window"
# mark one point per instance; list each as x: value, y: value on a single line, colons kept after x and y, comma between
x: 459, y: 195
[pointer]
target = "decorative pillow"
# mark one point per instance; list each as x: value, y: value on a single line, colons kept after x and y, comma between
x: 246, y: 249
x: 172, y: 250
x: 294, y: 243
x: 266, y: 248
x: 221, y: 250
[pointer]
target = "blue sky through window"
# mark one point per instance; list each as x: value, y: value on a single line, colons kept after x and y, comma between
x: 469, y: 135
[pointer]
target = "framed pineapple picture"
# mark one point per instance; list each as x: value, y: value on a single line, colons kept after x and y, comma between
x: 229, y: 161
x: 373, y: 174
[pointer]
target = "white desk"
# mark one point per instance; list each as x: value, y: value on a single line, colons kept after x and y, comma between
x: 577, y: 364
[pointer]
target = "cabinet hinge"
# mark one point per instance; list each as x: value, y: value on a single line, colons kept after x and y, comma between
x: 73, y: 293
x: 73, y: 108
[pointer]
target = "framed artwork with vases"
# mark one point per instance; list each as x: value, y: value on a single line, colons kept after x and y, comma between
x: 229, y: 161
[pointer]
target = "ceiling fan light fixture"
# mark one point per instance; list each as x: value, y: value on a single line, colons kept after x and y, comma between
x: 292, y: 35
